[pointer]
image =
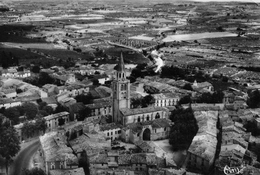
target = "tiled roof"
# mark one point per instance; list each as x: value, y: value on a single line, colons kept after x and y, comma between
x: 124, y: 159
x: 158, y: 123
x: 99, y: 159
x: 109, y: 126
x: 76, y: 107
x: 8, y: 91
x: 99, y: 105
x: 205, y: 142
x: 78, y: 171
x: 50, y: 100
x: 138, y: 158
x: 53, y: 116
x: 143, y: 145
x: 55, y: 148
x: 127, y: 112
x: 163, y: 96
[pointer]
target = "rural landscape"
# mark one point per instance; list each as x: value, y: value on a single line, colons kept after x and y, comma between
x: 120, y: 87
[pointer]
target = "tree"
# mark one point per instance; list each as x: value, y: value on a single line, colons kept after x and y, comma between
x: 45, y: 78
x: 13, y: 114
x: 185, y: 100
x: 40, y: 124
x: 42, y: 104
x: 30, y: 110
x: 147, y: 101
x: 253, y: 100
x: 251, y: 126
x: 86, y: 99
x: 34, y: 171
x: 84, y: 113
x: 136, y: 102
x: 9, y: 141
x: 184, y: 129
x: 35, y: 69
x: 84, y: 162
x: 188, y: 86
x: 61, y: 121
x: 60, y: 108
x: 28, y: 129
x: 48, y: 109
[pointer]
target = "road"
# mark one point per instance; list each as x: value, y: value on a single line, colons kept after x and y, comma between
x: 24, y: 158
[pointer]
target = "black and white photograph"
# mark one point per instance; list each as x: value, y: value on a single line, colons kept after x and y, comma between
x: 129, y: 87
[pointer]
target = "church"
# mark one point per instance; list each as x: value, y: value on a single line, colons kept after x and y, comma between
x: 151, y: 123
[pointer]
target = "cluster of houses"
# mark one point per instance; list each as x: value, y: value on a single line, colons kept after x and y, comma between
x: 112, y: 121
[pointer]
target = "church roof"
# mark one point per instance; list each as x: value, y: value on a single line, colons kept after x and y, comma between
x: 157, y: 123
x: 121, y: 65
x: 127, y: 112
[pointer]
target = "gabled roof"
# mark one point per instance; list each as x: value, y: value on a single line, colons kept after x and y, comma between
x: 127, y: 112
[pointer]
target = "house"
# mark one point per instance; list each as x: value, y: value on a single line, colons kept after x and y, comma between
x: 111, y: 130
x: 166, y: 99
x: 202, y: 87
x: 201, y: 153
x: 54, y: 120
x: 76, y: 171
x: 50, y: 89
x: 62, y: 96
x: 9, y: 93
x: 144, y: 146
x: 73, y: 89
x: 99, y: 109
x: 75, y: 108
x: 92, y: 143
x: 138, y: 162
x: 10, y: 73
x: 101, y: 78
x: 7, y: 103
x: 13, y: 73
x: 50, y: 101
x: 56, y: 154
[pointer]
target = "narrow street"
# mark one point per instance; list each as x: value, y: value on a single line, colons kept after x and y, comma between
x: 23, y: 160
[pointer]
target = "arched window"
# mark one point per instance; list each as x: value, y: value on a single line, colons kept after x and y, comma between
x: 122, y: 87
x: 157, y: 116
x: 138, y: 119
x: 147, y: 118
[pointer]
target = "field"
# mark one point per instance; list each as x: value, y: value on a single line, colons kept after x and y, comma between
x: 197, y: 36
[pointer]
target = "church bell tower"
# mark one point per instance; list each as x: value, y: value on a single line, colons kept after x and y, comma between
x: 121, y: 91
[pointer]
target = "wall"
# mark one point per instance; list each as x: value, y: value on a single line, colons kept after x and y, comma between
x: 195, y: 163
x: 143, y: 117
x: 113, y: 133
x: 13, y: 104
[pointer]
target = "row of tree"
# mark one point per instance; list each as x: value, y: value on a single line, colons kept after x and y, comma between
x: 29, y: 110
x: 31, y: 128
x: 216, y: 97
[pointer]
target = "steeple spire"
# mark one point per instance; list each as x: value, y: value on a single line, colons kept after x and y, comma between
x: 121, y: 65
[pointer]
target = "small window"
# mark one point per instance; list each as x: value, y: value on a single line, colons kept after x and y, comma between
x: 111, y: 133
x: 165, y: 129
x: 119, y: 131
x: 108, y: 134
